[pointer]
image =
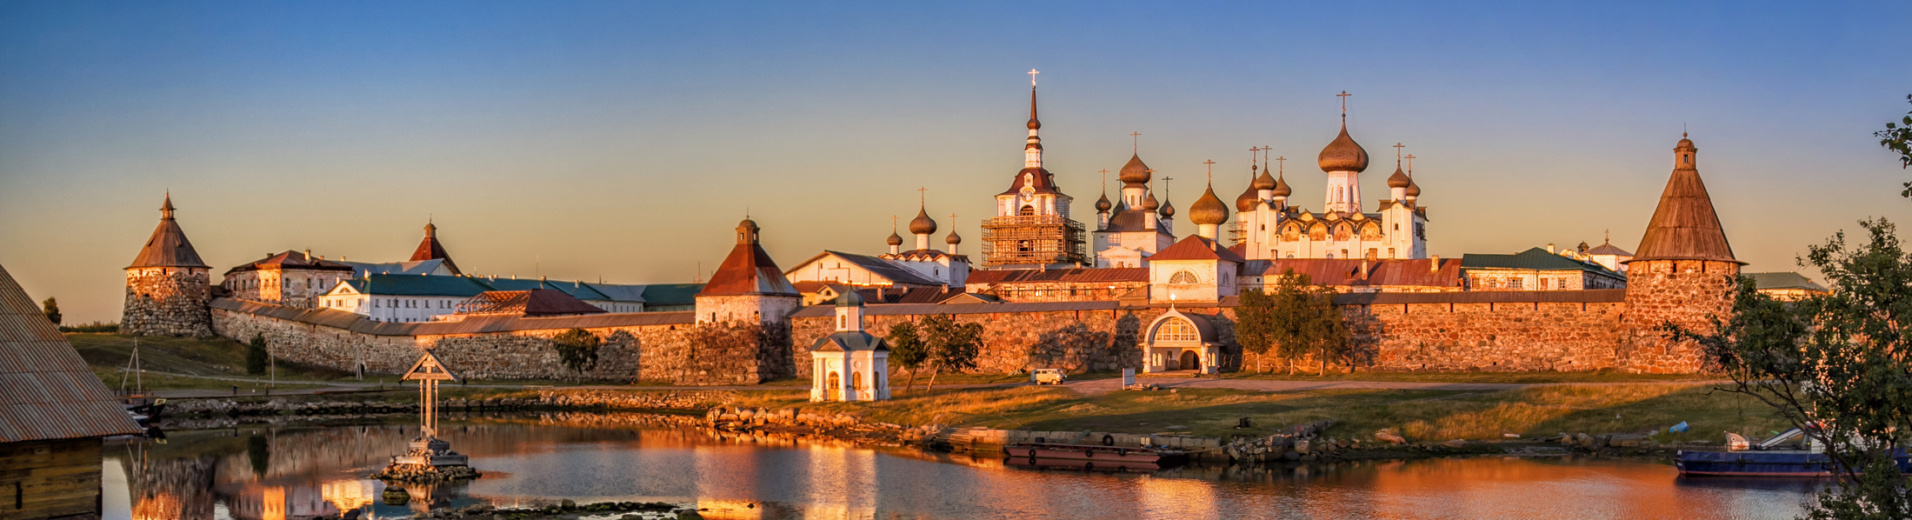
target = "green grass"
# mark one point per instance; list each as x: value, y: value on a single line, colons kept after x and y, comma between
x: 1420, y: 415
x: 187, y: 356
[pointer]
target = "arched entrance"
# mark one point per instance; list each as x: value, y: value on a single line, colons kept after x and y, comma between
x: 1190, y: 361
x: 833, y: 388
x: 856, y: 385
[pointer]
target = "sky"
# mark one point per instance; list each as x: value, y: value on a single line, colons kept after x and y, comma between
x: 623, y: 140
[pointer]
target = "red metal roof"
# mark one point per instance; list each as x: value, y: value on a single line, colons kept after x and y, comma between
x: 748, y: 270
x: 46, y: 390
x: 292, y: 260
x: 1078, y: 275
x: 1348, y: 272
x: 533, y: 303
x: 1196, y: 248
x: 430, y: 249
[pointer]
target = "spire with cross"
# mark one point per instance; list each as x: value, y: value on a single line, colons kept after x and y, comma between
x: 1397, y: 152
x: 1410, y: 165
x: 1344, y: 105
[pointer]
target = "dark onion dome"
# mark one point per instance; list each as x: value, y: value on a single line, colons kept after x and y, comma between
x: 1413, y: 189
x: 1343, y: 155
x: 1102, y: 205
x: 922, y: 224
x: 1149, y: 203
x: 849, y: 298
x: 895, y: 239
x: 1209, y: 209
x: 1281, y: 187
x: 953, y: 238
x: 1399, y: 179
x: 1246, y: 202
x: 1135, y: 172
x: 1168, y: 210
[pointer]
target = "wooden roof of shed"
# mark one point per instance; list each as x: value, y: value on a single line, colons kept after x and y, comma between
x: 46, y: 390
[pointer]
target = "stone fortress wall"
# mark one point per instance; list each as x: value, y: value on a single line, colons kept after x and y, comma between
x: 1437, y: 332
x: 662, y: 347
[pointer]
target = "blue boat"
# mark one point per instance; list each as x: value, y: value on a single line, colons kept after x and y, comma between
x: 1743, y: 459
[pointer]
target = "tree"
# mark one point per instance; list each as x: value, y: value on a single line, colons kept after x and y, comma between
x: 1899, y: 139
x: 952, y: 346
x: 1838, y: 366
x: 1255, y: 326
x: 256, y: 355
x: 907, y: 350
x: 52, y: 310
x: 1306, y: 321
x: 577, y: 348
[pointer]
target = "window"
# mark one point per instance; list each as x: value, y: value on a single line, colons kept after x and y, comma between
x: 1176, y: 330
x: 1183, y: 277
x: 1390, y: 252
x: 1513, y: 283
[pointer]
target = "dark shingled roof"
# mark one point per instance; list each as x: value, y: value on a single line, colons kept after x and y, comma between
x: 671, y: 294
x: 292, y: 260
x: 168, y: 246
x: 1685, y: 227
x: 893, y: 272
x: 423, y: 285
x: 849, y: 341
x: 1536, y: 259
x: 46, y: 390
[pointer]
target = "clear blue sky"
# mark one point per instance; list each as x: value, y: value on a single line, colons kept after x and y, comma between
x: 625, y: 139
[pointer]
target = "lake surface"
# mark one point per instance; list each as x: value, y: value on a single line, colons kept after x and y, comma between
x: 259, y: 472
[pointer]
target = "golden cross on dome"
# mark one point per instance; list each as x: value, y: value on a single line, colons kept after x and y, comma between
x: 1135, y: 139
x: 1410, y: 165
x: 1344, y: 103
x: 922, y: 196
x: 1397, y: 152
x: 1211, y: 169
x: 1105, y: 180
x: 1281, y: 162
x: 1032, y: 77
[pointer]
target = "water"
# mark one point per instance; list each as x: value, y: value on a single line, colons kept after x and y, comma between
x: 267, y: 473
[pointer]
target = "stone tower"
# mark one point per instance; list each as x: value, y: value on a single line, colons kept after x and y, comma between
x: 168, y: 288
x: 1684, y: 272
x: 748, y: 286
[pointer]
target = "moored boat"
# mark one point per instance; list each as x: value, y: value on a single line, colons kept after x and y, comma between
x: 1099, y: 453
x: 1741, y: 458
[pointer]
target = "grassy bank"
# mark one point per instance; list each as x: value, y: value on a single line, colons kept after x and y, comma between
x: 1421, y: 415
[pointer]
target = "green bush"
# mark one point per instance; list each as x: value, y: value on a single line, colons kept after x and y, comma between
x: 256, y: 355
x: 95, y: 327
x: 577, y: 348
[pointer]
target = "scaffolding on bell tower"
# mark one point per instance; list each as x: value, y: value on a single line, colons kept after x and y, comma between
x: 1032, y: 242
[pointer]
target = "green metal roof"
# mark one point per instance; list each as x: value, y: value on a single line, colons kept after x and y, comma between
x: 1535, y: 259
x: 579, y: 290
x: 664, y: 294
x: 1787, y: 280
x: 418, y: 285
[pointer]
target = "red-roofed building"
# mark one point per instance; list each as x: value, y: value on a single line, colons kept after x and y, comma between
x: 1196, y: 269
x: 292, y: 279
x: 748, y: 286
x: 1061, y: 285
x: 430, y: 249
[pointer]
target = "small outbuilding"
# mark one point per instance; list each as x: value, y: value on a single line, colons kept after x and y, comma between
x: 850, y: 364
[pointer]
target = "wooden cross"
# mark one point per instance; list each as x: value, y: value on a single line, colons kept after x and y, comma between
x: 1032, y: 77
x: 428, y: 372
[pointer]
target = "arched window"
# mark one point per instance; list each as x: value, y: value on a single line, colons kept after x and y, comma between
x: 1341, y: 232
x: 1183, y: 277
x: 1318, y: 232
x: 1026, y: 210
x: 1177, y: 330
x: 1371, y: 232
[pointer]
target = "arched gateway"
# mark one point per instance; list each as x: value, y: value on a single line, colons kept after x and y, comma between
x: 1178, y: 341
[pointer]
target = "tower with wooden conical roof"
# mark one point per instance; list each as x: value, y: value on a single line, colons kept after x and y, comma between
x: 1032, y: 229
x: 168, y: 288
x: 1683, y: 273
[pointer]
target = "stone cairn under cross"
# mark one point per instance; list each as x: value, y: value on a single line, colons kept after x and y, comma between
x: 430, y: 459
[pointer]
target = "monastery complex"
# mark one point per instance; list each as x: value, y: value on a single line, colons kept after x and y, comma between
x: 1117, y: 290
